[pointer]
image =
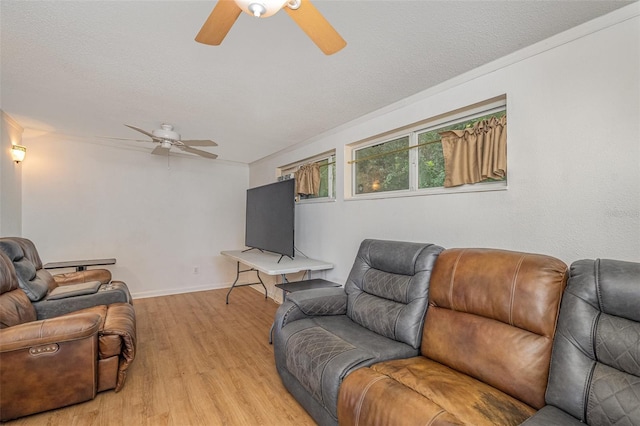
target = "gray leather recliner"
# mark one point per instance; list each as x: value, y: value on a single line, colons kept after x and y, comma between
x: 322, y: 335
x: 595, y: 365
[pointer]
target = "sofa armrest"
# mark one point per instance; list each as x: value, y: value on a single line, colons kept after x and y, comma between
x: 55, y: 330
x: 320, y: 301
x: 48, y: 364
x: 121, y: 321
x: 309, y: 303
x: 102, y: 275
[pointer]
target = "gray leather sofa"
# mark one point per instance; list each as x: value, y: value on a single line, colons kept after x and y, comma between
x: 55, y: 295
x: 594, y: 377
x: 321, y: 335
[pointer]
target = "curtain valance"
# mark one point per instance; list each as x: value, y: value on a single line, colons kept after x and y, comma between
x: 308, y: 179
x: 477, y: 153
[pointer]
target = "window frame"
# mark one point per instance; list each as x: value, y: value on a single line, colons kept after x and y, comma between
x: 413, y: 131
x: 330, y: 156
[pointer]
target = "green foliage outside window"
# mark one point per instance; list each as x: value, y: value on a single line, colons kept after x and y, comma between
x: 382, y: 168
x: 325, y: 170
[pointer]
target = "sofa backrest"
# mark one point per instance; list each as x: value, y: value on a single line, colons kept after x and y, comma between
x: 595, y: 367
x: 15, y: 307
x: 492, y: 315
x: 388, y: 286
x: 29, y: 250
x: 35, y: 281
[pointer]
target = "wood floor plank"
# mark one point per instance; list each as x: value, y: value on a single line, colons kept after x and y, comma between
x: 199, y: 362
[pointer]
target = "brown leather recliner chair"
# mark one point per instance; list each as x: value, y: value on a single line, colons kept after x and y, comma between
x: 55, y: 295
x: 55, y: 362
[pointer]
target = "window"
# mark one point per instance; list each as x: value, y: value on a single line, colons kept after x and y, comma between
x: 412, y: 162
x: 327, y: 165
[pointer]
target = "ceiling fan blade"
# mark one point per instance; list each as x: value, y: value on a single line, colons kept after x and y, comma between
x: 219, y: 22
x: 199, y: 142
x: 197, y: 152
x: 124, y: 139
x: 159, y: 150
x: 319, y: 30
x: 143, y: 132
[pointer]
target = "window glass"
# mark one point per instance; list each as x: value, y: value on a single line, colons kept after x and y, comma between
x: 382, y: 167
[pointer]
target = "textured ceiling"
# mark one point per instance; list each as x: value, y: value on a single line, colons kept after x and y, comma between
x: 84, y: 68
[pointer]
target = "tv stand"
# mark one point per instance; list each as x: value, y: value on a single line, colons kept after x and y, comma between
x: 252, y: 248
x: 284, y: 255
x: 269, y: 263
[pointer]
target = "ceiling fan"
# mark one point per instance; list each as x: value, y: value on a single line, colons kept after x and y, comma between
x: 166, y: 137
x: 305, y: 14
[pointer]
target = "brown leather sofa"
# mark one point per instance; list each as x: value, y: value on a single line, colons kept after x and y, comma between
x: 55, y: 295
x: 485, y: 351
x: 51, y: 363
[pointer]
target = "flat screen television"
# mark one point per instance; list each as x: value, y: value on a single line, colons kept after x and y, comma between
x: 270, y: 220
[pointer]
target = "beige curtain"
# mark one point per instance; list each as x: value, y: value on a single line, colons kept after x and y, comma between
x: 475, y: 154
x: 308, y: 179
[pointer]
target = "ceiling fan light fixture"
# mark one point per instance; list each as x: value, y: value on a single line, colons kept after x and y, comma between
x: 261, y: 8
x: 257, y: 9
x: 166, y: 132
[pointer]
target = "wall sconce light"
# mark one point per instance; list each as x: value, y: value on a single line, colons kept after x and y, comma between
x: 18, y: 153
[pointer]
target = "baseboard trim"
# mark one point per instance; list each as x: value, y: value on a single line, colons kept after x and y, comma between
x: 180, y: 290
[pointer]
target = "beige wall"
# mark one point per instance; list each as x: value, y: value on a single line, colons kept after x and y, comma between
x: 165, y: 220
x: 10, y: 178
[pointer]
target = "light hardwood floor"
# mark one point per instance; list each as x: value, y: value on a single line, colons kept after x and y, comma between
x: 199, y: 362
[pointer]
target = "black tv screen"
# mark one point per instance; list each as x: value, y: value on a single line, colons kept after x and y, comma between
x: 271, y: 217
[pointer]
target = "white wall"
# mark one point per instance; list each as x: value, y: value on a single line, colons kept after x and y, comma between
x: 83, y: 200
x: 573, y: 158
x: 10, y: 178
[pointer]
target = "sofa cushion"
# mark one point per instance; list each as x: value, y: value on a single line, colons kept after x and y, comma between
x: 15, y: 306
x: 36, y: 286
x: 552, y: 416
x: 309, y: 352
x: 387, y: 288
x: 419, y: 391
x: 107, y: 294
x: 321, y: 351
x: 29, y: 250
x: 492, y: 315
